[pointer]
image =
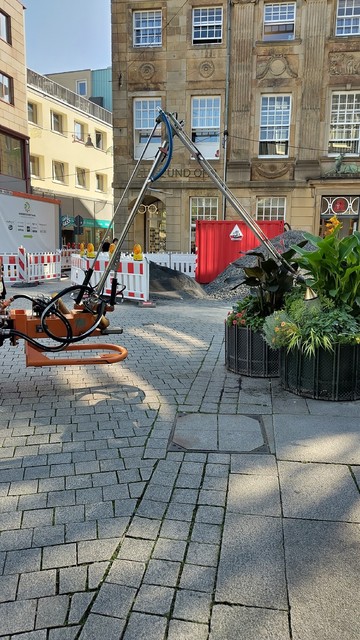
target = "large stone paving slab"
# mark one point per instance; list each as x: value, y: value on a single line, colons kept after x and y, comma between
x: 245, y: 623
x: 323, y: 565
x: 251, y: 568
x: 217, y: 432
x: 319, y: 491
x: 317, y: 438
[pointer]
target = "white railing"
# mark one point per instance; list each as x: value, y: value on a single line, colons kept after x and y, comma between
x: 183, y: 262
x: 31, y: 267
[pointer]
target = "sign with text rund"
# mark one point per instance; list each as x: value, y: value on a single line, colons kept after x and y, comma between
x: 236, y: 233
x: 32, y: 223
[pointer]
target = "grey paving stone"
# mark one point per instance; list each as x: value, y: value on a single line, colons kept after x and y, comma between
x: 69, y: 514
x: 48, y: 536
x: 99, y: 510
x: 317, y: 439
x: 214, y: 483
x: 203, y: 554
x: 253, y: 494
x: 8, y: 587
x: 144, y: 528
x: 97, y: 550
x: 31, y: 635
x: 180, y: 512
x: 80, y: 602
x: 192, y: 605
x: 264, y: 465
x: 37, y: 584
x: 125, y: 507
x: 186, y: 496
x: 72, y: 579
x: 22, y: 561
x: 182, y: 630
x: 59, y: 556
x: 136, y: 489
x: 145, y: 627
x: 209, y: 514
x: 126, y: 572
x: 162, y: 572
x: 251, y: 568
x: 17, y: 617
x: 175, y: 530
x: 51, y: 611
x: 16, y: 539
x: 220, y: 470
x: 37, y: 518
x: 198, y: 578
x: 212, y: 498
x: 96, y: 573
x: 246, y: 623
x: 208, y: 533
x: 188, y: 481
x: 323, y: 564
x: 151, y: 509
x: 10, y: 520
x: 97, y: 626
x: 169, y: 549
x: 112, y: 527
x: 75, y: 531
x: 114, y: 600
x: 318, y: 491
x: 64, y: 633
x: 154, y: 599
x: 8, y: 503
x: 135, y: 549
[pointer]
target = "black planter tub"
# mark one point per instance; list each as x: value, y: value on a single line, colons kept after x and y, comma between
x: 247, y: 353
x: 327, y: 375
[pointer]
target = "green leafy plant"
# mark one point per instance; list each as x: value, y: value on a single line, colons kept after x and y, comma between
x: 268, y: 282
x: 333, y: 268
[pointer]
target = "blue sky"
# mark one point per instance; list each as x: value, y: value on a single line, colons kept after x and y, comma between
x: 67, y: 35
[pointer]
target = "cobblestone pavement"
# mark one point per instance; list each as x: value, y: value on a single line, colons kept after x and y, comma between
x: 109, y: 528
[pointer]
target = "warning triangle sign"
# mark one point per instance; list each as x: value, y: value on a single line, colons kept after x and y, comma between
x: 236, y: 233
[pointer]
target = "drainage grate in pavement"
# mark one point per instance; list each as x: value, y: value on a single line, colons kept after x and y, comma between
x: 218, y: 432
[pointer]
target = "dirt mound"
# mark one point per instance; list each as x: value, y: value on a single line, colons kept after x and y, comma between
x: 165, y: 282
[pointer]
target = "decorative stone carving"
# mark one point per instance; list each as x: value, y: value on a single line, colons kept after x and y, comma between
x: 344, y: 64
x: 275, y: 65
x: 147, y: 70
x: 272, y: 170
x: 206, y: 68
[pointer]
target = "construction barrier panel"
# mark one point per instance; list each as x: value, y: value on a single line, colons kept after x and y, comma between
x: 183, y: 262
x: 134, y: 274
x: 66, y: 257
x: 31, y: 267
x: 218, y: 243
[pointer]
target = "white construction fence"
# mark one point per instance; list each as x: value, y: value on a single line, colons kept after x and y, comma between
x: 31, y: 267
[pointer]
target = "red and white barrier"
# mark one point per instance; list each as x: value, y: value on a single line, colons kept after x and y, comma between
x: 66, y: 257
x: 31, y: 267
x: 134, y: 274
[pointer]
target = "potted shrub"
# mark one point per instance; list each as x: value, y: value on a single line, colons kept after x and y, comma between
x: 246, y: 351
x: 319, y: 338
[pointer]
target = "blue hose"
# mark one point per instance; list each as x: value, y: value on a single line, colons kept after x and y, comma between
x: 163, y: 117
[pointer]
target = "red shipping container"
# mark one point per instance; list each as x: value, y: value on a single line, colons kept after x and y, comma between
x: 220, y: 242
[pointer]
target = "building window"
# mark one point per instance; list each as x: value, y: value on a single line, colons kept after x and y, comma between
x: 34, y: 167
x: 274, y: 125
x: 147, y: 29
x: 12, y: 156
x: 5, y: 27
x: 79, y: 132
x: 100, y: 181
x: 207, y: 25
x: 205, y: 125
x: 145, y: 114
x: 344, y: 123
x: 57, y: 122
x: 348, y: 18
x: 80, y: 177
x: 81, y: 87
x: 99, y: 140
x: 58, y: 171
x: 32, y: 113
x: 201, y: 208
x: 279, y: 21
x: 270, y: 208
x: 6, y: 88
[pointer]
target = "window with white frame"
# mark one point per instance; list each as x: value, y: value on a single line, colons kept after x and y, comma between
x: 207, y: 25
x: 201, y: 208
x: 279, y: 21
x: 348, y: 18
x: 58, y: 171
x: 274, y: 125
x: 5, y: 27
x: 344, y: 132
x: 79, y: 132
x: 205, y: 125
x: 80, y: 177
x: 272, y: 208
x: 100, y: 181
x: 145, y: 114
x: 147, y: 28
x: 34, y: 167
x: 57, y: 123
x: 6, y: 88
x: 81, y: 87
x: 32, y: 112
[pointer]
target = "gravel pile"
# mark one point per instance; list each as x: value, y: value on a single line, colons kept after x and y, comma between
x: 167, y: 283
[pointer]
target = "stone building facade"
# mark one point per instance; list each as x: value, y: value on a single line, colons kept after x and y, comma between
x: 268, y: 91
